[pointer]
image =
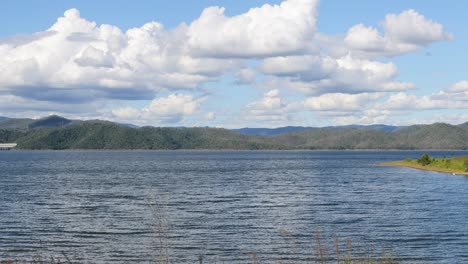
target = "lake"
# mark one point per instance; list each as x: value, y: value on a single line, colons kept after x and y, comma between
x: 121, y: 206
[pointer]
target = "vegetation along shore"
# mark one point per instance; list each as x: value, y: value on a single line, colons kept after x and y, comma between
x: 454, y: 165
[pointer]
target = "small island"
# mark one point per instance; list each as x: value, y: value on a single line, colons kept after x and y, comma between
x: 454, y: 165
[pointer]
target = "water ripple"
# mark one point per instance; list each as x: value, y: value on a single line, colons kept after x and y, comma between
x: 115, y: 206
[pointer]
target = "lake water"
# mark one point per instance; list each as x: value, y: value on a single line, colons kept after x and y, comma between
x: 120, y: 206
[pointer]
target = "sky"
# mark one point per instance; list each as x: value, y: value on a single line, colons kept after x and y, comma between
x: 234, y: 63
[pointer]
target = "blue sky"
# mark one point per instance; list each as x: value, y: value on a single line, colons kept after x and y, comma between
x: 235, y: 63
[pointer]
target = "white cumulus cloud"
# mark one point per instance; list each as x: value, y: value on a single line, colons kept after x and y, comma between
x: 80, y: 66
x: 165, y: 110
x: 413, y: 28
x: 79, y: 54
x: 402, y: 33
x: 261, y: 32
x: 320, y: 75
x: 340, y: 102
x: 446, y: 99
x: 270, y: 108
x: 459, y: 87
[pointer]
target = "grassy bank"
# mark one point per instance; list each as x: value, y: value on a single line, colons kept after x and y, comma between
x: 455, y: 165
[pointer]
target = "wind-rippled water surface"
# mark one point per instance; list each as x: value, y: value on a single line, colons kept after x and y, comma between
x: 119, y: 206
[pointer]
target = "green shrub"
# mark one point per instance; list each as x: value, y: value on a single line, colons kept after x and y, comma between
x: 425, y: 160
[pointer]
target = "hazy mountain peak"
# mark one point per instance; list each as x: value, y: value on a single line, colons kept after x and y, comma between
x: 50, y: 121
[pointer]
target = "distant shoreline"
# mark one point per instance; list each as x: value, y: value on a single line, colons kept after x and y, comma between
x: 227, y: 149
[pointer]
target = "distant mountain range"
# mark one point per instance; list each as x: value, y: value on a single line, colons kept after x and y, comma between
x: 29, y: 123
x: 288, y: 129
x: 49, y: 121
x: 55, y: 132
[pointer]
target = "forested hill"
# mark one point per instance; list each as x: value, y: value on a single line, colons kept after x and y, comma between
x: 288, y: 129
x: 108, y: 135
x: 435, y: 136
x: 57, y: 133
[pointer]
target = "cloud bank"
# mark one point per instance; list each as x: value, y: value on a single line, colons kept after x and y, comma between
x: 77, y: 66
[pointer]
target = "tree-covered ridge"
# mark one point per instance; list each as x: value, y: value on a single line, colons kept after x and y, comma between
x: 96, y: 134
x: 435, y: 136
x: 108, y: 135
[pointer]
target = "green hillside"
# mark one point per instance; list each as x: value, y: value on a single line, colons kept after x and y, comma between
x: 58, y: 133
x: 16, y: 123
x: 108, y: 135
x: 436, y: 136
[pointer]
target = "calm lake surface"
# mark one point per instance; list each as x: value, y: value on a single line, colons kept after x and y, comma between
x: 117, y: 206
